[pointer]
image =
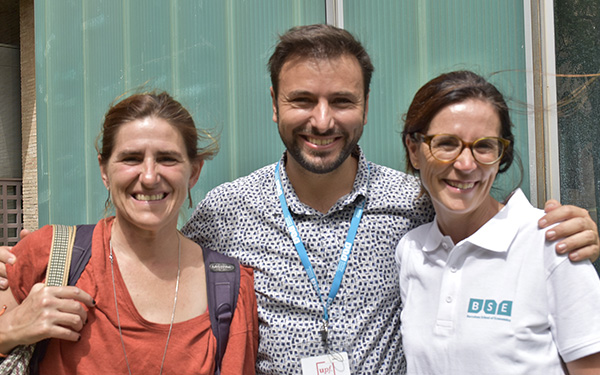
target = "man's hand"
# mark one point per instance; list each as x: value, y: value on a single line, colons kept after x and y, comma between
x: 6, y: 256
x: 579, y: 233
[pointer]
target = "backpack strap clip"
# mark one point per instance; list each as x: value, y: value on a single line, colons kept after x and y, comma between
x: 222, y: 288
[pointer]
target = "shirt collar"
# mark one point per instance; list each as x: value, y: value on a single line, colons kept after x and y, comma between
x: 359, y: 189
x: 496, y: 235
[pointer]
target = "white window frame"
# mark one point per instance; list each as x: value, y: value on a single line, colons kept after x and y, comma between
x: 334, y: 11
x: 544, y: 166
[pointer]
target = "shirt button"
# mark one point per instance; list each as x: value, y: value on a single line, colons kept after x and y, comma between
x: 445, y: 246
x: 453, y: 270
x: 449, y: 299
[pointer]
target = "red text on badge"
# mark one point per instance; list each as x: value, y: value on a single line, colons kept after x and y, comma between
x: 325, y: 368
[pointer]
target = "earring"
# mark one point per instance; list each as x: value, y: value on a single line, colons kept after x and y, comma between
x: 190, y: 198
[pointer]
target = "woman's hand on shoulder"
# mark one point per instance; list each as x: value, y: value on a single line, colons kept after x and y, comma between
x: 47, y: 312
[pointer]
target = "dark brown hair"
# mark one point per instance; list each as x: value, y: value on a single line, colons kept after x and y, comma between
x: 318, y: 42
x: 159, y: 105
x: 451, y: 88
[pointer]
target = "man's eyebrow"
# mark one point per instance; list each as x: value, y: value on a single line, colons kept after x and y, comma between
x: 295, y: 93
x: 299, y: 93
x: 346, y: 94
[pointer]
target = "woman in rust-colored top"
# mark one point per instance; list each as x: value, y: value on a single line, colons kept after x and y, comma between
x: 140, y: 305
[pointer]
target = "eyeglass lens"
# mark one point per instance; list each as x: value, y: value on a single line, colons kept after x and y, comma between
x: 448, y: 147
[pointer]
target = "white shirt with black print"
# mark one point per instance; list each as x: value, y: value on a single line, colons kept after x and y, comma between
x: 243, y: 219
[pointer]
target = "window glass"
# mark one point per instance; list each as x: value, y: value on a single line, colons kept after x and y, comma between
x: 577, y: 28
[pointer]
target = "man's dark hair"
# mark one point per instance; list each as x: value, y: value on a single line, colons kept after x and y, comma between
x: 319, y: 42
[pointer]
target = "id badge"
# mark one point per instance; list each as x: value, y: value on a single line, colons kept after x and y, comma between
x: 317, y: 358
x: 327, y: 364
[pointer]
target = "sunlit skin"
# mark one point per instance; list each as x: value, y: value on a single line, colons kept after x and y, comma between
x: 149, y: 174
x: 460, y: 190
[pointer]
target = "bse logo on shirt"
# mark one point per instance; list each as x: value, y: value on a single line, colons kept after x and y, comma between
x: 489, y: 309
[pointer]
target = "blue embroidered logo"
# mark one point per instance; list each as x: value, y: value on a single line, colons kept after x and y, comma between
x: 489, y: 309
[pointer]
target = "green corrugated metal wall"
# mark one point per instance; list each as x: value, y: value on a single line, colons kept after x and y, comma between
x: 211, y: 55
x: 414, y: 41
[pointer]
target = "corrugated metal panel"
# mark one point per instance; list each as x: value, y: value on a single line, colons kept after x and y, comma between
x: 414, y: 41
x: 60, y: 110
x: 211, y: 55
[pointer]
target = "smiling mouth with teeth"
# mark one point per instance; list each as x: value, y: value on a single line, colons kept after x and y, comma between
x: 153, y: 197
x: 461, y: 185
x: 321, y: 142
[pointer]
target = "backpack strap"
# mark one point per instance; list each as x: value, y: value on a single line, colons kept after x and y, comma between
x: 70, y: 253
x: 63, y: 238
x: 82, y: 251
x: 222, y: 288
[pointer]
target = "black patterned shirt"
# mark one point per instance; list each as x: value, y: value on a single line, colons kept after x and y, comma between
x: 243, y: 219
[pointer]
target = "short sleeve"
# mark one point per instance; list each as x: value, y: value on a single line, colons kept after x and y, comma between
x: 574, y: 301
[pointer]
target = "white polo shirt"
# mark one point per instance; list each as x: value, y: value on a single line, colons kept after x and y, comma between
x: 499, y: 302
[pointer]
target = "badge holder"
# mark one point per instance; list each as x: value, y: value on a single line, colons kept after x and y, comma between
x: 321, y: 357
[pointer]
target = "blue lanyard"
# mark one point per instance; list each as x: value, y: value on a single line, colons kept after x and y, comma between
x: 343, y: 262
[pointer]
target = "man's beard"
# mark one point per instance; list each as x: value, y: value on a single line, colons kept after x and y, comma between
x: 319, y: 167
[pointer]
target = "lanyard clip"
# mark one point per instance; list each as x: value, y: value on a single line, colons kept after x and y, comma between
x: 323, y: 332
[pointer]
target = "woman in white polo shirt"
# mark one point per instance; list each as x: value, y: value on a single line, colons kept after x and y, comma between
x: 483, y: 292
